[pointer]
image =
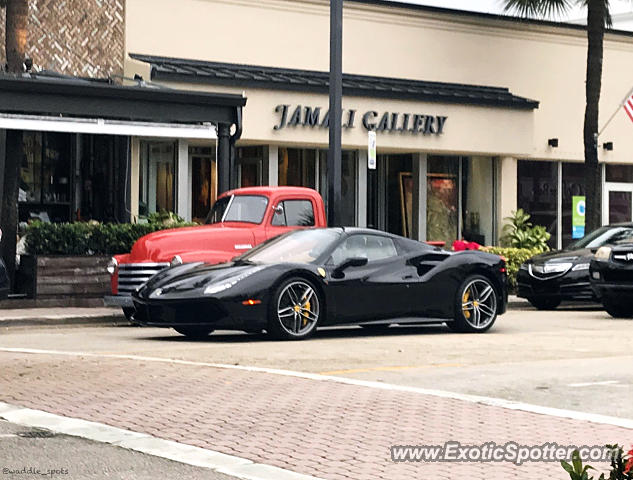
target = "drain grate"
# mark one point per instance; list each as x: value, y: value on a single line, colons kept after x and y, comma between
x: 36, y: 434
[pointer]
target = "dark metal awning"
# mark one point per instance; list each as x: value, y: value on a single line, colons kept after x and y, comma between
x: 236, y: 75
x: 70, y: 97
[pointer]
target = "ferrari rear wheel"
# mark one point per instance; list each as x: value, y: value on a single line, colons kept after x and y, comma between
x: 194, y: 332
x: 476, y: 308
x: 295, y: 310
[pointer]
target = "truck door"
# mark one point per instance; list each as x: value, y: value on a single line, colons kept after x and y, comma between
x: 290, y: 214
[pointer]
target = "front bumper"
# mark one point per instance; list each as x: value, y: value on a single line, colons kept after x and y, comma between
x: 123, y: 301
x: 209, y: 312
x: 574, y: 285
x: 611, y: 279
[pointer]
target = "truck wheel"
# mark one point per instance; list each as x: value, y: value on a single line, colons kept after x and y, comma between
x: 194, y: 332
x: 295, y: 310
x: 617, y: 309
x: 475, y: 306
x: 544, y: 303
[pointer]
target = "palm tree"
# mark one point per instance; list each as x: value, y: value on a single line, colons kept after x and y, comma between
x: 597, y: 19
x: 15, y: 49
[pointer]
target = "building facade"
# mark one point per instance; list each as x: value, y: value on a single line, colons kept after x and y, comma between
x: 476, y: 115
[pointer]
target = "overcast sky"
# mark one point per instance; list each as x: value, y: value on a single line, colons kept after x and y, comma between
x: 496, y: 6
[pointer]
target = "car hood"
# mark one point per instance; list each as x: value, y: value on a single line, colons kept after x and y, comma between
x: 560, y: 256
x: 197, y: 276
x: 163, y: 245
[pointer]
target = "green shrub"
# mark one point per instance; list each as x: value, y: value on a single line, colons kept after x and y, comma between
x: 520, y: 233
x: 91, y: 238
x: 514, y: 258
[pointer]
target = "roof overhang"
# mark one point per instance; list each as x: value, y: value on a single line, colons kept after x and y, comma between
x: 52, y: 96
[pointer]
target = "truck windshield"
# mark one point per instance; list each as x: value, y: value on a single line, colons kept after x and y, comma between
x: 238, y: 208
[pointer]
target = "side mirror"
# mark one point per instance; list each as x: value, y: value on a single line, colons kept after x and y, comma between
x: 279, y: 209
x: 350, y: 262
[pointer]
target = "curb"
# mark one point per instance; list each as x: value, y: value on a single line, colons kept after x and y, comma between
x: 97, y: 320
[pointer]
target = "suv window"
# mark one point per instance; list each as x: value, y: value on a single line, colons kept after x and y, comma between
x: 372, y: 247
x: 294, y: 213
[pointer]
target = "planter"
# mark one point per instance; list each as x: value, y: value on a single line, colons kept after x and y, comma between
x: 71, y: 280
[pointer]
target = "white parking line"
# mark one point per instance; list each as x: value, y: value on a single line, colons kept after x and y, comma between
x: 140, y: 442
x: 491, y: 401
x: 591, y: 384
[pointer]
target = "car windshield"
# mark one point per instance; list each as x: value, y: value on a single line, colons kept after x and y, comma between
x: 301, y: 246
x: 238, y: 208
x: 602, y: 236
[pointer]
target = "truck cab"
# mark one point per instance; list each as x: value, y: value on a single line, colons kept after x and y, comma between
x: 239, y: 220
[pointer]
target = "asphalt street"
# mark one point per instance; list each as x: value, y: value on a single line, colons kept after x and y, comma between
x: 570, y: 359
x: 36, y: 453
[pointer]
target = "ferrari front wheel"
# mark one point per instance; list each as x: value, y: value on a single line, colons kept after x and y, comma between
x: 476, y: 305
x: 295, y: 310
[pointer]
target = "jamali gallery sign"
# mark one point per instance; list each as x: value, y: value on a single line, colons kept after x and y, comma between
x: 314, y: 117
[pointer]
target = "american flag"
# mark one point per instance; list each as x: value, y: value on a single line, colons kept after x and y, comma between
x: 628, y: 106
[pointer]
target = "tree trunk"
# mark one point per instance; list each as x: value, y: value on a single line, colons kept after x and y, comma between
x: 16, y: 31
x: 596, y: 16
x: 9, y: 214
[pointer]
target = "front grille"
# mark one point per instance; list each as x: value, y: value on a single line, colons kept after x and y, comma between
x: 133, y: 275
x: 622, y: 257
x: 539, y: 272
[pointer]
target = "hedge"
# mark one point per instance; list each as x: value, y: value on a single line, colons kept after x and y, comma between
x: 88, y: 238
x: 514, y: 258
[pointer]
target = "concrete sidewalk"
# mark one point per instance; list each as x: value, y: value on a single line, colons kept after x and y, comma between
x: 31, y: 317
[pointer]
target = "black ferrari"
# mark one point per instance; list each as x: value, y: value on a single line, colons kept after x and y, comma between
x: 305, y: 279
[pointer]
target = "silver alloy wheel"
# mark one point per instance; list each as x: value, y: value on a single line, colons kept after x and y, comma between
x: 298, y: 308
x: 479, y: 303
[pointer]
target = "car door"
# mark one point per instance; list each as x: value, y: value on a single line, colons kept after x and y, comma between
x: 378, y: 290
x: 290, y: 214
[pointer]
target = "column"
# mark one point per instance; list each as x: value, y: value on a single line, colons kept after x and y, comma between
x: 361, y: 191
x: 419, y: 196
x: 224, y: 157
x: 273, y: 165
x: 183, y: 189
x: 135, y: 163
x: 507, y: 190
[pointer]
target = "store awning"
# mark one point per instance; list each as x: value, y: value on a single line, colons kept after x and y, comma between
x: 102, y: 126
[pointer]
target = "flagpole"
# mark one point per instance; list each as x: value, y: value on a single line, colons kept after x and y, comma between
x: 614, y: 113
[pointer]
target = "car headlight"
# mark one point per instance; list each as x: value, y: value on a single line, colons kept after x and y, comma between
x: 603, y: 253
x: 177, y: 260
x: 229, y: 282
x: 556, y: 267
x: 112, y: 266
x: 580, y: 267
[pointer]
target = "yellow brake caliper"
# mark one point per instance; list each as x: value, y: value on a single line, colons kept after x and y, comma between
x: 305, y: 315
x: 465, y: 298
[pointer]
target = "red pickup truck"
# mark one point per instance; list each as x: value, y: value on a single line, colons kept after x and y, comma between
x: 239, y: 220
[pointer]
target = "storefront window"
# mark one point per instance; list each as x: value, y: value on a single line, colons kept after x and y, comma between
x: 157, y: 179
x: 619, y: 173
x: 250, y: 161
x: 573, y: 186
x: 537, y: 194
x: 203, y: 181
x: 442, y: 208
x: 297, y: 167
x: 45, y: 177
x: 477, y: 200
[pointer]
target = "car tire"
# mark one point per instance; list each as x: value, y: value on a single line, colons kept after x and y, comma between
x: 476, y: 305
x: 544, y: 303
x: 194, y: 332
x: 617, y: 309
x: 295, y: 310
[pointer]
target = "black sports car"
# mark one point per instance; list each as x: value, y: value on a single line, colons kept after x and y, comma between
x: 611, y: 272
x: 547, y: 279
x: 293, y: 283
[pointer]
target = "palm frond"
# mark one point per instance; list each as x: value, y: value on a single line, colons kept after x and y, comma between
x: 538, y: 8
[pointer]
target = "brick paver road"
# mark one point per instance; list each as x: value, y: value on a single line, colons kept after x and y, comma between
x: 321, y: 428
